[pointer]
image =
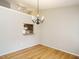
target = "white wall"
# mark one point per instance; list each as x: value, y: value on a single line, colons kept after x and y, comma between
x: 61, y: 28
x: 11, y: 26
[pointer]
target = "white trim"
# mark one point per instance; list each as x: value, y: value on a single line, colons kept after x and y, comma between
x: 37, y: 44
x: 62, y: 50
x: 17, y: 50
x: 14, y: 11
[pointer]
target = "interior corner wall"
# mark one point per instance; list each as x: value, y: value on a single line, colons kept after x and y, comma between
x: 61, y: 28
x: 11, y: 27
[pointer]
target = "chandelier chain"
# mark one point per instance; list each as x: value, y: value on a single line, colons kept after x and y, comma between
x: 37, y: 6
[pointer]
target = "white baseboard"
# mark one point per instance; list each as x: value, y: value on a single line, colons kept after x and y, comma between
x: 63, y: 50
x: 16, y: 50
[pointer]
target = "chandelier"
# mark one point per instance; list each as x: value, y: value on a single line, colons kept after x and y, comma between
x: 38, y: 19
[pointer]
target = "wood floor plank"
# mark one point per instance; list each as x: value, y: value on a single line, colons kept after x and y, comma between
x: 39, y: 52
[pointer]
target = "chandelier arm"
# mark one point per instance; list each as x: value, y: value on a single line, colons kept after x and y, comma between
x: 33, y: 21
x: 43, y: 19
x: 38, y: 7
x: 37, y: 19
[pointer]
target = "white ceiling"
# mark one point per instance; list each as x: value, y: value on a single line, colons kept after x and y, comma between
x: 45, y: 4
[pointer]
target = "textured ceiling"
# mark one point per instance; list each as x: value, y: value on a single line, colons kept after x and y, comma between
x: 45, y: 4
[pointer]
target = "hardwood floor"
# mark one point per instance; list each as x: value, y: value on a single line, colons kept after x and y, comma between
x: 39, y: 52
